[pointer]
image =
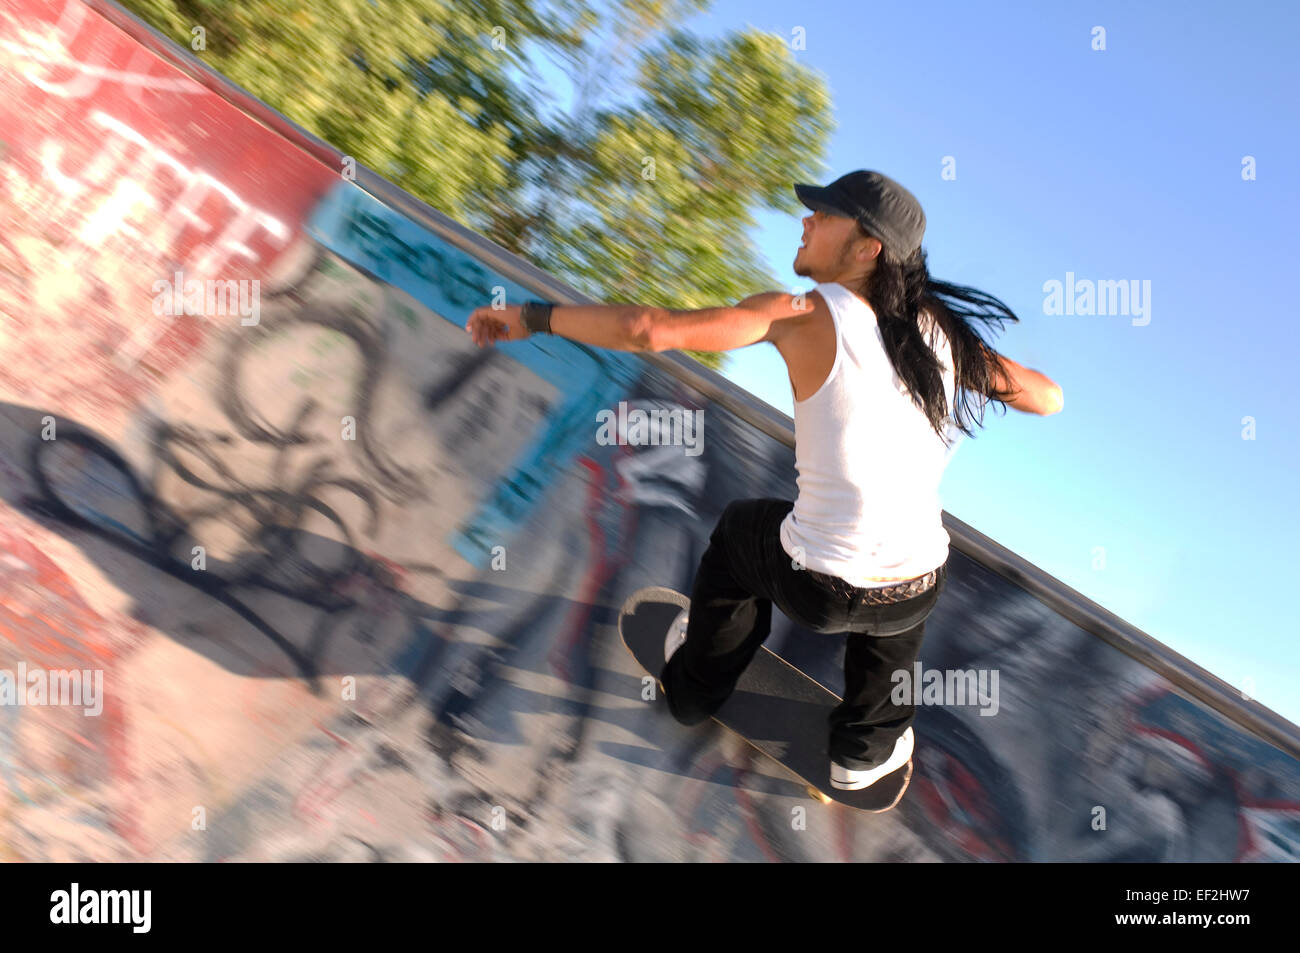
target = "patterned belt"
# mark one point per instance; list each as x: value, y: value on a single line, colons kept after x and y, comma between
x: 880, y: 595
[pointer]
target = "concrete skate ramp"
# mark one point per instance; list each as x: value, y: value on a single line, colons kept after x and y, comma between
x: 351, y: 584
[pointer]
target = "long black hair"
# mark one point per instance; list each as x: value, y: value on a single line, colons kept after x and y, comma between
x: 899, y: 290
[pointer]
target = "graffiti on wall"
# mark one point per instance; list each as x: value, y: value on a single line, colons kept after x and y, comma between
x: 279, y: 543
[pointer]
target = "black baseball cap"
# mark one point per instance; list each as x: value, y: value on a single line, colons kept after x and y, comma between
x: 882, y: 206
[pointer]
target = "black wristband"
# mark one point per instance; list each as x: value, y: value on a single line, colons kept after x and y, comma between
x: 536, y: 316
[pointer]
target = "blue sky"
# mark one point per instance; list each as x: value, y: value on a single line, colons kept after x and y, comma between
x: 1124, y: 164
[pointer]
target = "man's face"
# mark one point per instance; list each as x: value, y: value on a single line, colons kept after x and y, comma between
x: 829, y: 247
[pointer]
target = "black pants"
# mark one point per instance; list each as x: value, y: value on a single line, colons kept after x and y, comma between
x: 742, y: 573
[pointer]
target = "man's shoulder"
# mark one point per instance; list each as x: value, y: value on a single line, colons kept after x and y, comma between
x: 786, y: 312
x: 786, y: 304
x: 789, y: 307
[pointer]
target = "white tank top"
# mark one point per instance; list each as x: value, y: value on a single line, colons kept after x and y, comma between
x: 869, y: 463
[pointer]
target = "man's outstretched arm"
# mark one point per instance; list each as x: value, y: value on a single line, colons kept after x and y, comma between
x: 628, y: 327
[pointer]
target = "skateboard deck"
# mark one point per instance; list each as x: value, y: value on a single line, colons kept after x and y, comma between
x: 775, y: 708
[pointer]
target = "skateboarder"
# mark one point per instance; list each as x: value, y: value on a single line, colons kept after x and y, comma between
x: 882, y: 359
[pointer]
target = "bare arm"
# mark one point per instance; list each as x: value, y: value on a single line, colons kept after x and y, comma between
x: 768, y: 316
x: 1025, y: 389
x: 630, y: 327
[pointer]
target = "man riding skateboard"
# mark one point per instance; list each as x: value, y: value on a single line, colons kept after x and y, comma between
x: 881, y: 360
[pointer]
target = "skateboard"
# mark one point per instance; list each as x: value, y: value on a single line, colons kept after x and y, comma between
x: 775, y: 708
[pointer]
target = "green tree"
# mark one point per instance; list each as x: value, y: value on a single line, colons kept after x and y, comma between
x: 641, y: 187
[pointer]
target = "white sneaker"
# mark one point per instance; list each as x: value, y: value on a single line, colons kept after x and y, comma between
x: 846, y: 779
x: 676, y: 635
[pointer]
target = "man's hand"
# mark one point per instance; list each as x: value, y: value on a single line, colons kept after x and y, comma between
x: 488, y: 325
